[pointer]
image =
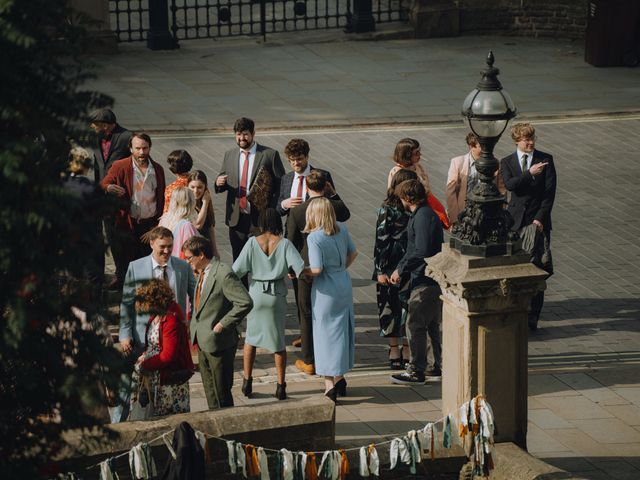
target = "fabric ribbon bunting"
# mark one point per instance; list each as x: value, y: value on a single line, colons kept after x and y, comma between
x: 263, y: 464
x: 311, y: 469
x: 141, y: 462
x: 253, y: 467
x: 202, y: 438
x: 108, y: 470
x: 287, y: 464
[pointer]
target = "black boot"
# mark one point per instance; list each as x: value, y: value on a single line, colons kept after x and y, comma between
x: 341, y: 387
x: 281, y: 391
x: 247, y: 384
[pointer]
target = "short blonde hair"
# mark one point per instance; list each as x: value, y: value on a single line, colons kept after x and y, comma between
x: 79, y: 160
x: 321, y: 216
x: 521, y: 131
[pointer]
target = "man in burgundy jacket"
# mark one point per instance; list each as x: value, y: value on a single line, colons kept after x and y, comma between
x: 138, y: 184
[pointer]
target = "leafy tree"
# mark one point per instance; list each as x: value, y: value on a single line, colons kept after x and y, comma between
x: 50, y: 367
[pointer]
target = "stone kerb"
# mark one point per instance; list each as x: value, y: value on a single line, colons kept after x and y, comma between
x: 484, y: 333
x: 307, y: 425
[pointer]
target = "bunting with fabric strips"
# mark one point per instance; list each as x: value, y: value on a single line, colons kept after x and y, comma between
x: 141, y: 462
x: 476, y: 424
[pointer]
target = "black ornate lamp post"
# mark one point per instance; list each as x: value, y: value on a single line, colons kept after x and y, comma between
x: 484, y: 225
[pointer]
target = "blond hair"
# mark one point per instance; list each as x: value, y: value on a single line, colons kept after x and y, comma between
x: 321, y: 216
x: 79, y: 160
x: 182, y: 206
x: 520, y: 131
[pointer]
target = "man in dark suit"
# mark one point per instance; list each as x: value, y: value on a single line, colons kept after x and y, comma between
x: 530, y: 176
x: 221, y: 302
x: 112, y: 144
x: 138, y: 184
x: 293, y: 189
x: 317, y: 186
x: 240, y: 168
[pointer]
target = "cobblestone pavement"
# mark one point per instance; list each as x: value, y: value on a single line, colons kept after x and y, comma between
x: 584, y: 389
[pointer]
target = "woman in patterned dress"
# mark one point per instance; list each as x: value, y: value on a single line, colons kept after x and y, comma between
x: 389, y: 248
x: 166, y: 353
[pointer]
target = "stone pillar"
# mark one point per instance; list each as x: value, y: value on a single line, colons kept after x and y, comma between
x: 435, y: 18
x: 484, y: 333
x: 101, y: 38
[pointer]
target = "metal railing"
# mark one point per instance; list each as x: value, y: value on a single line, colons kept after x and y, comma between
x: 191, y: 19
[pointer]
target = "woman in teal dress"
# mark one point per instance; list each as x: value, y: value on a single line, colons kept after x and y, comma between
x: 268, y: 257
x: 389, y: 248
x: 331, y: 252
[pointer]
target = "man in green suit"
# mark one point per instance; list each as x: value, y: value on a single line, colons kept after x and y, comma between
x: 221, y: 302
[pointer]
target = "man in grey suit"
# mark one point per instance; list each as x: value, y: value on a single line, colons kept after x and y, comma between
x: 221, y: 302
x: 237, y: 176
x: 133, y: 325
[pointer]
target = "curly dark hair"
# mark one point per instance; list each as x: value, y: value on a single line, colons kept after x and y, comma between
x: 154, y: 297
x: 297, y: 147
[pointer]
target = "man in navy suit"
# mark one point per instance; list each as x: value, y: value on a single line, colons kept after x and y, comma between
x: 293, y: 188
x: 530, y: 176
x: 237, y: 176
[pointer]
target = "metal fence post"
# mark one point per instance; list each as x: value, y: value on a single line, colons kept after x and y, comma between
x: 159, y: 37
x: 362, y: 18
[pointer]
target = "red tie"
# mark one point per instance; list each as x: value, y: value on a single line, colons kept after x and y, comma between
x: 299, y: 194
x: 198, y: 291
x: 243, y: 181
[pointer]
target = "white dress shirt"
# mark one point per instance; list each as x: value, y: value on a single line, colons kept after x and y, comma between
x: 296, y: 182
x: 252, y: 156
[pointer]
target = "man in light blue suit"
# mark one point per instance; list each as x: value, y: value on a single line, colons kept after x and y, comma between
x: 133, y: 325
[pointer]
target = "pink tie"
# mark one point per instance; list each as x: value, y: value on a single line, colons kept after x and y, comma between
x: 243, y: 182
x: 299, y: 194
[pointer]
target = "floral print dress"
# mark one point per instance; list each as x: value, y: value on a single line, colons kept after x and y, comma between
x: 390, y: 246
x: 167, y: 399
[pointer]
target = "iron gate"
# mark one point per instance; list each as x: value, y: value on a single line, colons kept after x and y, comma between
x: 190, y: 19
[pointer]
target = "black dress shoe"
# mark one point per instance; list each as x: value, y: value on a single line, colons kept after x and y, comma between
x: 281, y: 391
x: 332, y: 394
x: 341, y: 387
x: 247, y: 384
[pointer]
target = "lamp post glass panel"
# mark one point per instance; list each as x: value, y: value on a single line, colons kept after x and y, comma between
x: 484, y: 229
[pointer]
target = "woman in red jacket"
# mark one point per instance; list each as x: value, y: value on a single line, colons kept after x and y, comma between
x: 166, y: 359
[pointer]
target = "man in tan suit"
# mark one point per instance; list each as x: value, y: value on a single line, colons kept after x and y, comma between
x: 220, y: 304
x: 461, y: 178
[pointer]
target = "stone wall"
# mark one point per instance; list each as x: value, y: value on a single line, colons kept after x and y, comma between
x: 530, y: 18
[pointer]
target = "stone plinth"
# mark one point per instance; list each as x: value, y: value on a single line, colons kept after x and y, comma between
x: 484, y: 333
x: 101, y: 37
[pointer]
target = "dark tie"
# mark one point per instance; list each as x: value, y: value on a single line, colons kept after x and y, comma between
x: 523, y: 164
x: 243, y: 181
x: 301, y: 180
x: 165, y: 275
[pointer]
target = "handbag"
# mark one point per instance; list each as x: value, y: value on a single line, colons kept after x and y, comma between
x: 142, y: 406
x: 260, y: 191
x: 178, y: 377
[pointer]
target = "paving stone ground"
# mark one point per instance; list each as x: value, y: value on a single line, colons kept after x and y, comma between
x: 584, y: 380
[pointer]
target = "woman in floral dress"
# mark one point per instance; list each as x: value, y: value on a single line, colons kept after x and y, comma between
x: 166, y: 359
x: 389, y: 248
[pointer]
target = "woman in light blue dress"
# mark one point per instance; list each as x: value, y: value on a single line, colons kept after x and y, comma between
x: 268, y: 257
x: 331, y: 251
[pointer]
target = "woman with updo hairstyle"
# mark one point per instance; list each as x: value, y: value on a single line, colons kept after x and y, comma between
x: 166, y: 358
x: 269, y: 258
x: 179, y: 219
x: 180, y: 164
x: 407, y: 154
x: 206, y: 219
x: 331, y: 252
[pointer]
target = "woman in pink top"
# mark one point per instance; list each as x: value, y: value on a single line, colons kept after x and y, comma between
x: 179, y: 218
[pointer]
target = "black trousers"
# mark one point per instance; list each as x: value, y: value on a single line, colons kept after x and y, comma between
x: 302, y: 289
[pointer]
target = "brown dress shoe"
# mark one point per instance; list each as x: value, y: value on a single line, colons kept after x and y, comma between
x: 297, y: 342
x: 307, y: 368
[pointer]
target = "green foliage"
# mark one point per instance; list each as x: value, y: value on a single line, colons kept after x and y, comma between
x: 50, y: 367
